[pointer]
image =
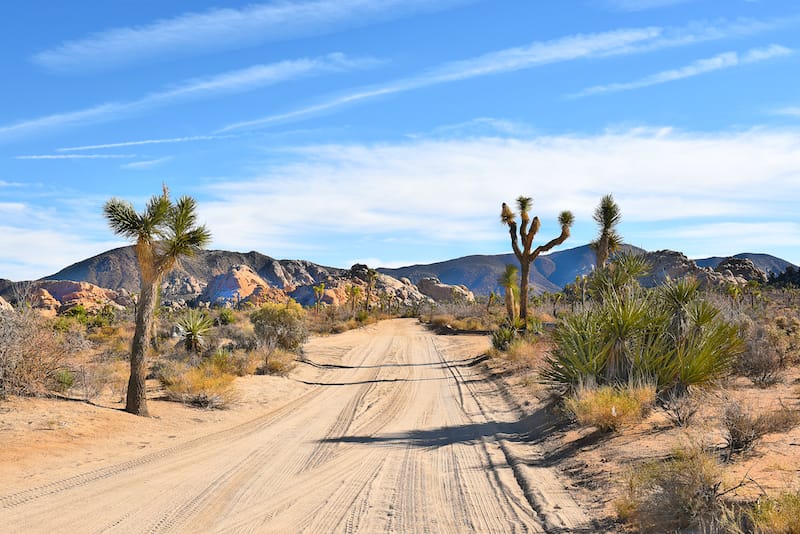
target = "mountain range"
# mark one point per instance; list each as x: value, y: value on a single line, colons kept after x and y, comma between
x: 117, y: 269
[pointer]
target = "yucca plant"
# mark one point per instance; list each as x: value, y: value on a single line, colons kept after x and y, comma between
x: 194, y: 326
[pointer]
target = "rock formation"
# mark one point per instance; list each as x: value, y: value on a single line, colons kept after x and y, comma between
x: 5, y: 306
x: 440, y: 292
x: 741, y: 269
x: 238, y: 286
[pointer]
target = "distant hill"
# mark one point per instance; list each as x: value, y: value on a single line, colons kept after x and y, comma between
x: 117, y: 269
x: 480, y: 273
x: 765, y: 262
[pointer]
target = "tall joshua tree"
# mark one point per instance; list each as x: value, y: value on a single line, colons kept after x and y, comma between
x: 163, y: 232
x: 523, y: 243
x: 607, y: 216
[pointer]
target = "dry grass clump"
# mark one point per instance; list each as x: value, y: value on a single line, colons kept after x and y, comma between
x: 745, y: 426
x: 238, y: 362
x: 279, y: 363
x: 780, y: 514
x: 666, y: 495
x: 610, y: 408
x: 206, y: 385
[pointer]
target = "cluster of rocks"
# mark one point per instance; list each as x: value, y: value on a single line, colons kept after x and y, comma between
x: 51, y: 297
x: 666, y: 264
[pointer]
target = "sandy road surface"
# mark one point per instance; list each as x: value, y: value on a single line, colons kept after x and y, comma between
x: 398, y: 433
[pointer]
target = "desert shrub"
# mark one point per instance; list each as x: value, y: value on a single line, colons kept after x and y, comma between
x: 523, y: 354
x: 204, y: 386
x: 237, y: 363
x: 63, y: 380
x: 610, y: 408
x: 31, y: 353
x: 780, y: 514
x: 672, y: 494
x: 225, y: 317
x: 680, y: 407
x: 763, y: 360
x: 503, y: 337
x: 745, y: 426
x: 279, y: 363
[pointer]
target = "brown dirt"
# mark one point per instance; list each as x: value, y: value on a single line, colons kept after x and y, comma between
x: 389, y: 428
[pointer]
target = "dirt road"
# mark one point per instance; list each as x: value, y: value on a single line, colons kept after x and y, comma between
x: 397, y: 433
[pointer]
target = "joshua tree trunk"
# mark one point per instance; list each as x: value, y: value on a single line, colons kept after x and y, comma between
x: 136, y: 402
x: 525, y: 271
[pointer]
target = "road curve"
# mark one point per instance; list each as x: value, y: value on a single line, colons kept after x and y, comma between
x: 392, y: 437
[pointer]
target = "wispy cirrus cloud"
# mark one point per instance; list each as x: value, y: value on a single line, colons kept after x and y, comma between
x: 77, y: 156
x: 240, y: 80
x: 147, y: 163
x: 507, y: 60
x: 642, y: 5
x: 791, y: 111
x: 722, y: 61
x: 569, y: 48
x: 168, y: 140
x: 227, y: 29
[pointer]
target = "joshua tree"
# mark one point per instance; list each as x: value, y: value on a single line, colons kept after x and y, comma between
x: 372, y: 277
x: 163, y: 232
x: 607, y: 215
x: 524, y: 254
x: 509, y: 282
x: 353, y: 292
x: 319, y: 292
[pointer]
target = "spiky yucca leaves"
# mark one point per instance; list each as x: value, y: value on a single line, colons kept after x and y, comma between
x: 522, y: 244
x: 620, y: 274
x: 163, y: 233
x: 194, y: 326
x: 631, y: 334
x: 607, y: 216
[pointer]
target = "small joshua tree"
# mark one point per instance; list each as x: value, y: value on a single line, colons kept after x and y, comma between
x: 319, y: 292
x: 607, y: 215
x: 522, y: 244
x: 509, y: 282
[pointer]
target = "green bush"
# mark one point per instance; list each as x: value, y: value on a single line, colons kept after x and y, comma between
x: 279, y: 326
x: 777, y: 514
x: 225, y: 317
x: 64, y: 379
x: 194, y: 326
x: 503, y: 337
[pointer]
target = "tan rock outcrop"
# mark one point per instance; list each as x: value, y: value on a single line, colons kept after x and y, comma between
x: 240, y: 285
x: 440, y: 292
x: 5, y: 306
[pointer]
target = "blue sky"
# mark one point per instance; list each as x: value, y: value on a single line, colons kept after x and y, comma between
x: 390, y: 131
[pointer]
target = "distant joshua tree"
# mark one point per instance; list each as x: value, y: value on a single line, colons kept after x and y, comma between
x: 607, y: 215
x: 163, y: 233
x: 319, y: 292
x: 523, y: 251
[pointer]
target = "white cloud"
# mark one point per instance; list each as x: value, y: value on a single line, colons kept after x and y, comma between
x: 147, y: 163
x: 436, y: 192
x: 247, y: 79
x: 722, y: 61
x: 642, y: 5
x: 227, y: 29
x: 789, y: 111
